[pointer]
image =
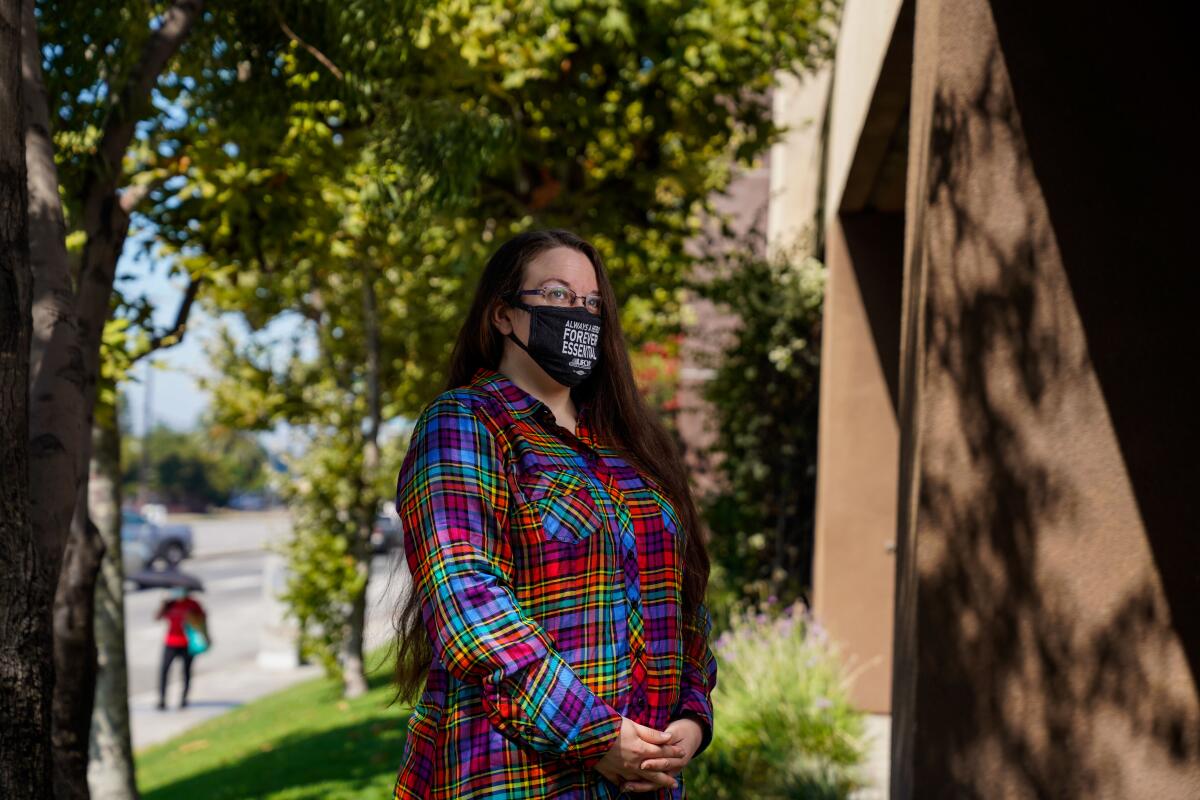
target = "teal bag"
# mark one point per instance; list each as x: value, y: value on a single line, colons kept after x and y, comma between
x: 197, y: 641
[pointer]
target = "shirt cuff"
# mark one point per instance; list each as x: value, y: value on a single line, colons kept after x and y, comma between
x: 599, y: 731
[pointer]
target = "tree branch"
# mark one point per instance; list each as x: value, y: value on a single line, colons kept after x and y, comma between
x: 160, y: 47
x: 176, y: 331
x: 314, y: 52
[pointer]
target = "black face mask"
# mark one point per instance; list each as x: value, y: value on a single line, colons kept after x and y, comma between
x: 565, y: 342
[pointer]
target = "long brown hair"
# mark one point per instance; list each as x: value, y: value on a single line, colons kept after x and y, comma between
x: 618, y: 417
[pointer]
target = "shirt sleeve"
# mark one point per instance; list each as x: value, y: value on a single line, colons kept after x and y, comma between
x: 452, y: 497
x: 699, y: 675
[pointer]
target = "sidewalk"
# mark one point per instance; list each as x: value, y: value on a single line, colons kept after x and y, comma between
x: 878, y: 764
x: 212, y: 694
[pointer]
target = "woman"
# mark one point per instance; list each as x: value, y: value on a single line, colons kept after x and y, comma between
x: 178, y: 608
x: 556, y: 622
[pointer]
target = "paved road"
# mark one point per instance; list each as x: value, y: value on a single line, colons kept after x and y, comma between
x: 230, y: 674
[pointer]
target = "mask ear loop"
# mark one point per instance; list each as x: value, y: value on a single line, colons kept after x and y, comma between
x: 509, y: 300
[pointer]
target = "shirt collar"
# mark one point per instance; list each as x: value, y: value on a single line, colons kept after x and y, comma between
x: 520, y: 403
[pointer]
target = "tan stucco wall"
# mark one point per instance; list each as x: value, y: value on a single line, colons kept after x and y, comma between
x: 863, y: 37
x: 854, y: 564
x: 797, y: 161
x: 1044, y: 619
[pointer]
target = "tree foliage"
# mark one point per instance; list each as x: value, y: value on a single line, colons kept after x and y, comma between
x: 197, y: 468
x: 403, y: 146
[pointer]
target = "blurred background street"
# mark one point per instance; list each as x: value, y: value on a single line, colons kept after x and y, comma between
x: 231, y: 558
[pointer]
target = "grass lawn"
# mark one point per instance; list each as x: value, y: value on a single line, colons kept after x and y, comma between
x: 302, y: 742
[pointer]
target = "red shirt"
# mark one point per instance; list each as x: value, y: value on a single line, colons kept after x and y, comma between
x: 176, y: 612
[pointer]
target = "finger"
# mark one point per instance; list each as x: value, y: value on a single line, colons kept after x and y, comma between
x: 638, y: 786
x: 652, y: 735
x: 663, y: 764
x: 656, y: 779
x: 648, y: 786
x: 635, y: 775
x: 661, y: 751
x: 667, y: 751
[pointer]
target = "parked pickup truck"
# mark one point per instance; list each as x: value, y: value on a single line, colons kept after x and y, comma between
x: 157, y: 545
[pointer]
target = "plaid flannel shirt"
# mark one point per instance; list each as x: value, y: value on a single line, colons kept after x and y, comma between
x: 549, y: 571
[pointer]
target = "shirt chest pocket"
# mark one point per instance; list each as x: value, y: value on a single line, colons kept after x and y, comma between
x: 560, y: 503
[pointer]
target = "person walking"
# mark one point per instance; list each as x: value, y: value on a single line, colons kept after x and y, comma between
x: 179, y: 609
x: 556, y: 641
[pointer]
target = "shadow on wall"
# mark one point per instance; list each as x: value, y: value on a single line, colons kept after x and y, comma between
x: 1035, y: 681
x: 1114, y: 148
x: 875, y: 242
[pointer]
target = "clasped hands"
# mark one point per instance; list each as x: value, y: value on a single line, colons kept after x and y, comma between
x: 643, y: 758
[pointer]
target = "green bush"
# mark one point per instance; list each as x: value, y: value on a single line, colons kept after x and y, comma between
x: 784, y: 726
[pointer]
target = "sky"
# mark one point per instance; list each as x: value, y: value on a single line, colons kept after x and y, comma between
x: 175, y: 397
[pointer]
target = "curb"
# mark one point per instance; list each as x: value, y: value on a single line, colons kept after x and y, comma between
x: 210, y: 555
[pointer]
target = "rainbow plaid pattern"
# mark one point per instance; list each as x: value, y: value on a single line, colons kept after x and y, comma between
x: 549, y: 573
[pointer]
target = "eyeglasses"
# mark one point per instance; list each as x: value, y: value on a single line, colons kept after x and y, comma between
x: 561, y: 296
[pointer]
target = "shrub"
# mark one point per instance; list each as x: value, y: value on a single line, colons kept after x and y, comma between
x: 763, y: 396
x: 784, y: 726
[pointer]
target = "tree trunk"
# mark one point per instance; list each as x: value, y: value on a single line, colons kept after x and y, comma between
x: 354, y: 674
x: 75, y: 655
x: 353, y: 670
x: 75, y: 643
x: 26, y: 587
x: 56, y: 377
x: 110, y: 769
x: 105, y: 217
